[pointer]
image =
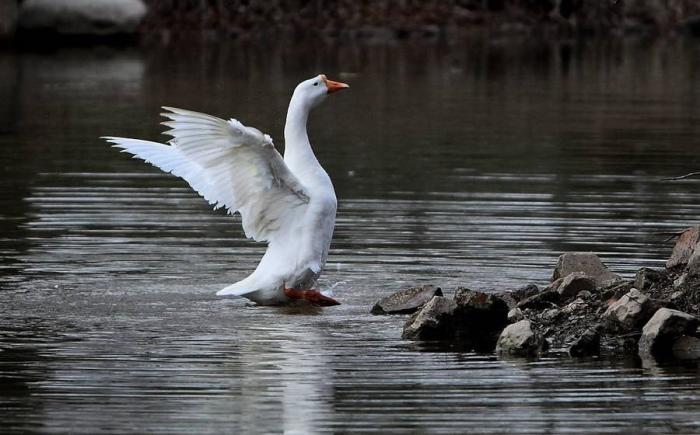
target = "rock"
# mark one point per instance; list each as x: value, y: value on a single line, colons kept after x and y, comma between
x: 663, y: 329
x: 685, y: 247
x: 515, y: 315
x: 627, y: 313
x: 479, y: 318
x: 545, y: 299
x: 646, y: 278
x: 686, y: 348
x: 587, y: 344
x: 525, y: 292
x: 584, y: 294
x: 519, y: 339
x: 551, y: 314
x: 82, y: 17
x: 574, y: 283
x: 577, y: 305
x: 432, y: 322
x: 586, y: 262
x: 406, y: 301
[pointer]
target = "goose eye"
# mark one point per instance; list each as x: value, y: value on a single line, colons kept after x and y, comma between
x: 315, y: 83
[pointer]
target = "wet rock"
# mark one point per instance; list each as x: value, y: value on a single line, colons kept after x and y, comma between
x: 685, y: 247
x: 479, y: 318
x: 432, y: 322
x: 82, y: 17
x: 647, y: 278
x: 686, y: 348
x: 545, y: 299
x: 588, y: 344
x: 662, y: 331
x: 515, y: 315
x: 629, y: 312
x: 406, y: 301
x: 525, y: 292
x: 586, y: 262
x: 574, y: 283
x: 519, y: 339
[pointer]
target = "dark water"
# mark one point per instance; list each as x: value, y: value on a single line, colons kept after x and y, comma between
x: 466, y: 164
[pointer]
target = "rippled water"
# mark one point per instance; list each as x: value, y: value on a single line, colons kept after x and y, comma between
x: 465, y: 164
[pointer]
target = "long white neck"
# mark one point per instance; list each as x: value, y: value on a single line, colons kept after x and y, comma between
x: 298, y: 154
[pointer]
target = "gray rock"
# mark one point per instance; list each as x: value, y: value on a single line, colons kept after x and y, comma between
x: 515, y: 315
x: 432, y: 322
x: 574, y: 283
x: 685, y: 247
x: 627, y: 313
x: 646, y: 278
x: 406, y: 301
x: 519, y: 339
x: 82, y: 17
x: 588, y: 344
x: 663, y: 329
x: 686, y: 348
x: 586, y: 262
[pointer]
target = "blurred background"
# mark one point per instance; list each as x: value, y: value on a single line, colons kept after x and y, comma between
x: 479, y: 140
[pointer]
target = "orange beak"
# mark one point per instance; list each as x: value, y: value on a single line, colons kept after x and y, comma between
x: 334, y: 86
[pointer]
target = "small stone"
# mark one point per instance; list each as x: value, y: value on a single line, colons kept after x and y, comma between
x: 587, y: 344
x: 406, y: 301
x: 515, y: 315
x: 432, y: 322
x: 676, y: 295
x: 646, y: 278
x: 519, y: 339
x: 586, y: 262
x: 684, y: 248
x: 663, y: 329
x: 627, y: 313
x: 551, y: 314
x: 574, y: 283
x: 577, y: 305
x: 584, y: 294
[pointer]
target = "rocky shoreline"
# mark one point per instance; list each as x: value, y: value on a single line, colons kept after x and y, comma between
x: 586, y: 310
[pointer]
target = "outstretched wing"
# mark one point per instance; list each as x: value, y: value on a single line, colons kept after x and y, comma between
x: 230, y: 165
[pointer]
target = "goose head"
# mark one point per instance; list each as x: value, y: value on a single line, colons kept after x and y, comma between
x: 310, y: 93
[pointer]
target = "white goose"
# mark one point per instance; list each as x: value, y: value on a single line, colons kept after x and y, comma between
x: 289, y: 203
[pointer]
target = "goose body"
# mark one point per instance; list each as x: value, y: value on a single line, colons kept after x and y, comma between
x: 287, y: 202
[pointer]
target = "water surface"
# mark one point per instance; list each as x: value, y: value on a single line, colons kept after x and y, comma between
x: 455, y: 164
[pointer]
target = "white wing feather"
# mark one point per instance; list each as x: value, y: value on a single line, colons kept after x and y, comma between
x: 231, y: 166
